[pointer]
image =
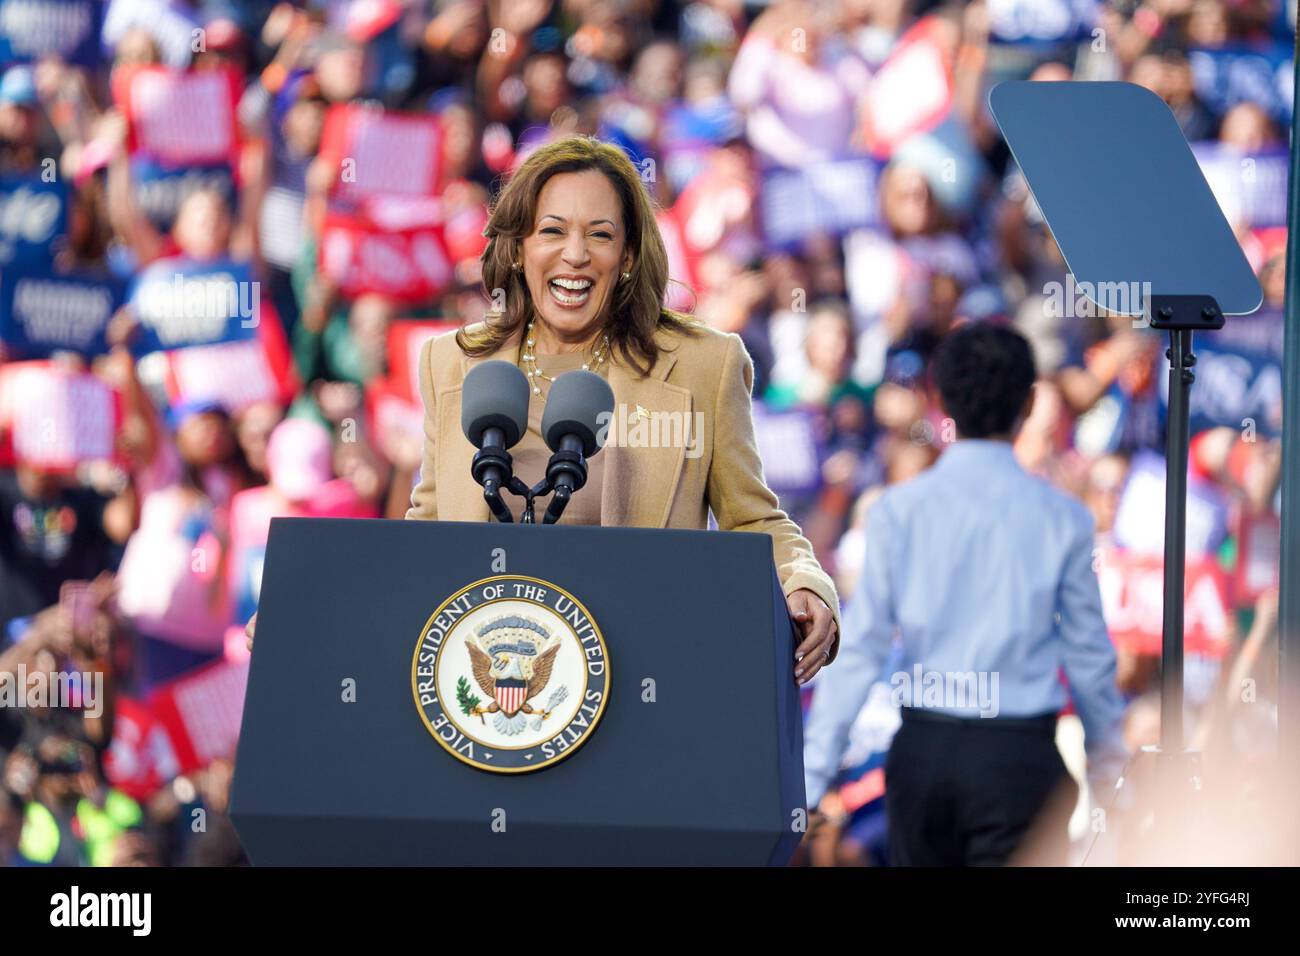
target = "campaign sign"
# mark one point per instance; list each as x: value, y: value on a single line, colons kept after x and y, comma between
x: 1259, y: 333
x: 788, y: 448
x: 1259, y: 556
x: 408, y: 266
x: 236, y: 374
x: 159, y: 191
x: 1132, y: 600
x: 201, y: 712
x: 680, y: 294
x: 68, y: 29
x: 57, y: 418
x: 912, y: 90
x: 393, y: 417
x: 179, y: 303
x: 43, y: 312
x: 1244, y: 73
x: 381, y: 153
x: 1026, y: 22
x: 1140, y: 517
x: 1250, y: 187
x: 1235, y: 387
x: 33, y: 214
x: 180, y: 118
x: 832, y: 198
x: 405, y: 340
x: 140, y: 758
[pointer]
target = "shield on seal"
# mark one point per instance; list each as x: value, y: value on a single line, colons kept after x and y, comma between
x: 510, y: 695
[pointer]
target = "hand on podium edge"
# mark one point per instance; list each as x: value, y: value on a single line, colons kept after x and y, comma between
x: 816, y: 625
x: 249, y: 628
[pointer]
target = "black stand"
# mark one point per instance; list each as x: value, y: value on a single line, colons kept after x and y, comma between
x: 1176, y: 773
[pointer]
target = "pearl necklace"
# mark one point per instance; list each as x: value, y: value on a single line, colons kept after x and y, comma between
x: 535, y: 373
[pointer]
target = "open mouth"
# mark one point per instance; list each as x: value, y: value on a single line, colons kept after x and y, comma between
x: 570, y: 293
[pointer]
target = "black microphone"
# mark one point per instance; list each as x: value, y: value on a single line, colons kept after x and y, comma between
x: 571, y: 426
x: 494, y: 416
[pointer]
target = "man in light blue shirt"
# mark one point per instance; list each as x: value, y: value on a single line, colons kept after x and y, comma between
x: 985, y: 575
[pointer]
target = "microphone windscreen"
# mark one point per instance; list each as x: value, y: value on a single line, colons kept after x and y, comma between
x: 574, y: 406
x: 495, y: 395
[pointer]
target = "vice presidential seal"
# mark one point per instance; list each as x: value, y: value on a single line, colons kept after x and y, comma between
x: 510, y: 674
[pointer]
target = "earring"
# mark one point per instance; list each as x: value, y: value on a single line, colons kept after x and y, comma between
x: 626, y: 276
x: 516, y: 266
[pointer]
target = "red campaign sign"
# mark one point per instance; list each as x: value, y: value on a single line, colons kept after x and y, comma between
x: 54, y: 418
x: 405, y: 339
x: 1132, y: 597
x: 910, y: 93
x: 392, y: 414
x: 680, y: 294
x: 140, y: 758
x: 180, y: 118
x: 463, y: 231
x: 381, y: 153
x: 409, y: 266
x: 201, y: 712
x: 366, y: 19
x: 236, y: 374
x: 1259, y: 557
x: 722, y: 197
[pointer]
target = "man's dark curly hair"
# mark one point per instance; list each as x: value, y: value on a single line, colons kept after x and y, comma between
x: 984, y: 373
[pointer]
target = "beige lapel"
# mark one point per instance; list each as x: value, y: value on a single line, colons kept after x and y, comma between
x: 638, y: 483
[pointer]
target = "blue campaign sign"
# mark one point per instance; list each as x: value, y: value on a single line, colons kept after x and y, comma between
x: 1040, y: 21
x: 33, y: 214
x: 1258, y: 333
x: 1241, y: 73
x: 1251, y: 187
x: 1237, y: 388
x: 69, y: 29
x: 833, y: 198
x: 179, y: 302
x: 159, y: 191
x: 42, y: 313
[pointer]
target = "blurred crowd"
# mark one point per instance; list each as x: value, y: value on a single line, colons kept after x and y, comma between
x: 832, y: 187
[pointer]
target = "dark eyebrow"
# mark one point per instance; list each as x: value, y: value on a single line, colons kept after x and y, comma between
x: 592, y: 223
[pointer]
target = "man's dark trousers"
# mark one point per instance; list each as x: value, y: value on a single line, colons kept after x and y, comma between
x: 973, y: 791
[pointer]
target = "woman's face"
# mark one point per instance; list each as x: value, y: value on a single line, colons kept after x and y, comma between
x: 828, y: 344
x: 906, y: 201
x: 202, y: 228
x: 205, y: 439
x: 578, y: 237
x: 303, y: 125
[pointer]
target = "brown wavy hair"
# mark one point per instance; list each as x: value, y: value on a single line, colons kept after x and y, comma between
x: 636, y: 310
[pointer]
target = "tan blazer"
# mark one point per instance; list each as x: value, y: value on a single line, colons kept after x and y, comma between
x: 673, y: 485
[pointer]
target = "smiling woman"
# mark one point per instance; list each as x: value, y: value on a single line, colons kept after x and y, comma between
x: 576, y: 270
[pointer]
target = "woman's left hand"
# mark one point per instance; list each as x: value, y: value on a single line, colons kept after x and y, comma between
x: 816, y: 626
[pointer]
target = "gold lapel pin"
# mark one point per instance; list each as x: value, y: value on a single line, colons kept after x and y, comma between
x: 641, y: 413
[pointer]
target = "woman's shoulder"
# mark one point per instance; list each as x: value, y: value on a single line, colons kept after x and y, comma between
x: 443, y: 352
x: 697, y: 344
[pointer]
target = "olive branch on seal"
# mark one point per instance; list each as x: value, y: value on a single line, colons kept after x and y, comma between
x: 466, y: 700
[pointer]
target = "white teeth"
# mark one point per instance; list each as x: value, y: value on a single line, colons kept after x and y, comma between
x: 563, y: 299
x: 575, y: 284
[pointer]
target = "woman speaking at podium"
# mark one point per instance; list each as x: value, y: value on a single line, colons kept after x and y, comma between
x: 577, y: 271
